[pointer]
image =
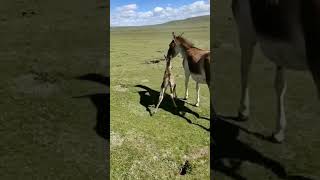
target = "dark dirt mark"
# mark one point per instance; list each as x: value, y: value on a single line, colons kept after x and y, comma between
x: 44, y: 77
x: 185, y: 168
x: 28, y: 13
x: 154, y: 61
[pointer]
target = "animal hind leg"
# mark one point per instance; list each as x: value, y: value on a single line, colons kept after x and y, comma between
x: 162, y: 91
x: 280, y: 86
x: 246, y: 59
x: 198, y: 94
x: 172, y: 94
x: 174, y: 91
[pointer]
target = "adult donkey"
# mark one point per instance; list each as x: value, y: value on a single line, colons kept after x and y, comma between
x: 196, y: 62
x: 288, y: 32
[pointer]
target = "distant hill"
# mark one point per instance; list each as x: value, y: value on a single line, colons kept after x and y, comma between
x: 199, y: 21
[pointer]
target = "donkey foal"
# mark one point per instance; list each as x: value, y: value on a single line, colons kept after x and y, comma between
x: 168, y: 80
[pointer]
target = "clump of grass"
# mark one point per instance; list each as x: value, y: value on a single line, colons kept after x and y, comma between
x: 44, y: 77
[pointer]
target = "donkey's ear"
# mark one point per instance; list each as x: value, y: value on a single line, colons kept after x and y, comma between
x: 173, y: 35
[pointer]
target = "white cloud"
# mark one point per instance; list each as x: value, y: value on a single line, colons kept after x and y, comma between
x: 158, y: 9
x: 129, y: 7
x: 129, y: 15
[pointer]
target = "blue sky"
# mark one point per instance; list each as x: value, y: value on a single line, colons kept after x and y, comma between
x: 147, y: 12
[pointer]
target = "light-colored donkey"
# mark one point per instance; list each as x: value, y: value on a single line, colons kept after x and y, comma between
x: 196, y: 62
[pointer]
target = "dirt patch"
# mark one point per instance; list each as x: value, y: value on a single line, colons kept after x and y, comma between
x: 186, y: 167
x: 115, y: 139
x: 198, y: 153
x: 154, y: 61
x: 120, y: 88
x: 28, y: 13
x: 35, y: 85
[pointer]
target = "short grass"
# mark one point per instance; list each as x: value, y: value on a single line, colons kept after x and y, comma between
x: 155, y: 147
x: 298, y: 156
x: 46, y: 132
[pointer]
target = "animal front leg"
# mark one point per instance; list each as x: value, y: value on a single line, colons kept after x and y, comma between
x: 198, y: 94
x: 186, y: 82
x: 160, y: 99
x: 280, y: 86
x: 246, y: 59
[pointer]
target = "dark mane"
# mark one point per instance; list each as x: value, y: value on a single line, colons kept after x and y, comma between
x: 184, y: 42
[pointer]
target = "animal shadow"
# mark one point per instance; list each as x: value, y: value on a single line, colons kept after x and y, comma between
x: 102, y: 104
x: 229, y: 153
x: 149, y: 97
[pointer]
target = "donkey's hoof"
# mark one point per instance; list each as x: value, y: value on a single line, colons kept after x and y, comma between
x: 277, y: 138
x: 197, y: 104
x: 242, y: 117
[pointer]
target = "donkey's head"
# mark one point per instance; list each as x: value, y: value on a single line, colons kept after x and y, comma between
x: 176, y: 44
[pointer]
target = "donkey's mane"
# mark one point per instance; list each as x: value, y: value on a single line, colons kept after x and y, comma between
x: 184, y: 42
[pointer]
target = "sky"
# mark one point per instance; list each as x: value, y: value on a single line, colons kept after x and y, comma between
x: 148, y: 12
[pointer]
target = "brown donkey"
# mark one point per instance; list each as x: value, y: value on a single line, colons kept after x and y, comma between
x: 196, y: 62
x: 168, y: 80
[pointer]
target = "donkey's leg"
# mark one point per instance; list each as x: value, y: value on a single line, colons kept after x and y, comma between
x: 247, y: 39
x: 186, y: 82
x: 198, y: 94
x: 246, y: 59
x: 172, y: 92
x: 280, y: 86
x: 311, y: 28
x: 163, y: 89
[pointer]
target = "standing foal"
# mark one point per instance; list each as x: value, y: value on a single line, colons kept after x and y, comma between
x: 168, y: 80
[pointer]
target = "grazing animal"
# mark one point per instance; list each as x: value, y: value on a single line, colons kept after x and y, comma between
x: 168, y: 81
x: 196, y: 62
x: 288, y: 32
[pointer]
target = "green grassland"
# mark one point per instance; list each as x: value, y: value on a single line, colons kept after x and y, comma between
x: 48, y: 114
x: 155, y: 147
x: 298, y: 157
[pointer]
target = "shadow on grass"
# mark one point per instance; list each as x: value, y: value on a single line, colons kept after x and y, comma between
x: 102, y: 104
x: 149, y: 97
x: 229, y: 153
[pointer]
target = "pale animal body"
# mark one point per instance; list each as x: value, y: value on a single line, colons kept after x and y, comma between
x: 168, y: 81
x: 288, y: 32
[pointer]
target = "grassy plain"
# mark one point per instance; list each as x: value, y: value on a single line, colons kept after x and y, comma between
x: 155, y: 147
x: 48, y: 111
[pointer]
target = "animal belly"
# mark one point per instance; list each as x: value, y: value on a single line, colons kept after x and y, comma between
x: 288, y: 55
x: 200, y: 78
